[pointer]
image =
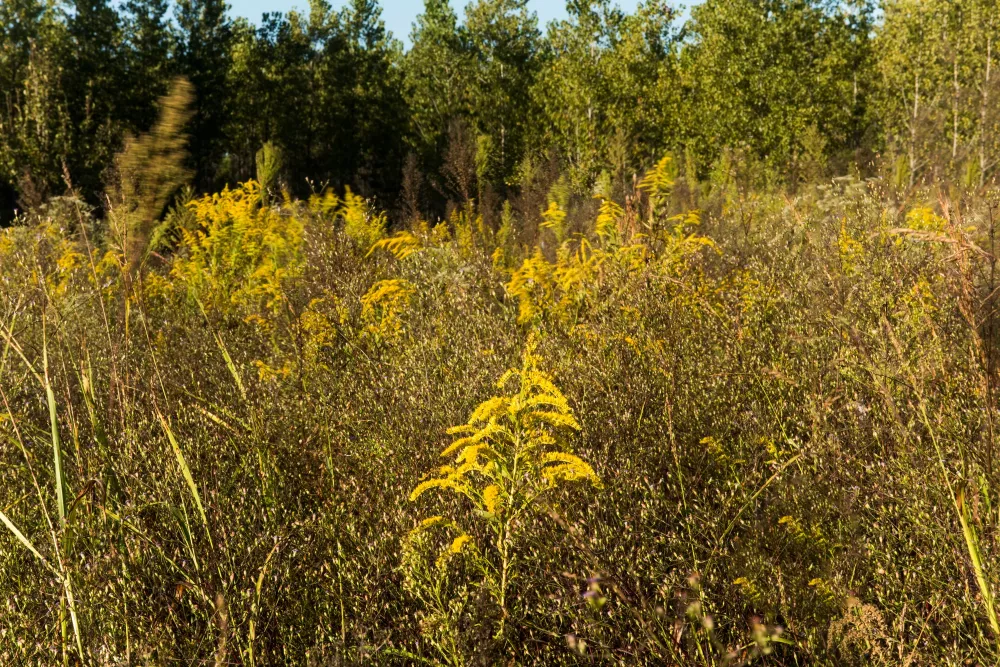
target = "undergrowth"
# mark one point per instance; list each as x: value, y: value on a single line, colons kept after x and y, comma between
x: 758, y: 432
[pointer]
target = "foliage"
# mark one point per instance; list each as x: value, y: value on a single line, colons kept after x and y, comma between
x: 269, y: 163
x: 938, y: 82
x: 436, y: 72
x: 503, y: 36
x: 383, y: 306
x: 757, y: 80
x: 754, y: 251
x: 401, y: 245
x: 239, y: 253
x: 487, y: 105
x: 787, y: 395
x: 362, y: 223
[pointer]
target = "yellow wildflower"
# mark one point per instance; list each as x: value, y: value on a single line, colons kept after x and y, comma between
x: 459, y: 543
x: 491, y: 496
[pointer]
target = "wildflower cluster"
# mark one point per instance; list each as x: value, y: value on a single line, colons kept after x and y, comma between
x: 511, y: 454
x: 240, y: 252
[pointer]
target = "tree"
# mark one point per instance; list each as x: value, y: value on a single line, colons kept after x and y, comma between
x: 349, y: 120
x: 983, y: 20
x: 437, y: 79
x: 20, y: 24
x: 280, y: 61
x: 376, y: 104
x: 775, y: 76
x: 505, y: 43
x: 204, y: 58
x: 256, y: 110
x: 148, y: 45
x: 645, y: 93
x: 938, y: 89
x: 574, y: 89
x: 35, y: 138
x: 93, y: 76
x: 19, y: 27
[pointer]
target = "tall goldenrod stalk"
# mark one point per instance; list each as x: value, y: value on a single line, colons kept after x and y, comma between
x: 512, y: 452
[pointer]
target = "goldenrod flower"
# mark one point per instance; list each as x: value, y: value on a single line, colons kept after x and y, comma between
x: 570, y: 468
x: 491, y: 494
x: 459, y: 543
x: 400, y: 246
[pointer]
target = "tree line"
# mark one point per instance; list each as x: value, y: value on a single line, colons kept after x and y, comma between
x: 481, y: 104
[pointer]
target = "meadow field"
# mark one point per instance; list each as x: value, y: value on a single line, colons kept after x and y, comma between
x: 756, y: 431
x: 660, y: 337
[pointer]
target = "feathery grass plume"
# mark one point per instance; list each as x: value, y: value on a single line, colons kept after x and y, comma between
x: 512, y: 453
x: 149, y: 170
x: 270, y: 160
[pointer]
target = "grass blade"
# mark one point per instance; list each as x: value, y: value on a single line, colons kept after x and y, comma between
x: 975, y: 554
x: 26, y: 542
x: 72, y: 615
x: 57, y: 465
x: 186, y: 472
x: 231, y: 366
x: 225, y: 353
x: 255, y: 608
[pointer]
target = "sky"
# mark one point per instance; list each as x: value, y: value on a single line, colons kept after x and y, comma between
x: 397, y: 14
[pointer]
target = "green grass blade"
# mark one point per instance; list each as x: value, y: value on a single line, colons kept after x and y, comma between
x: 186, y: 472
x: 11, y: 342
x: 73, y: 617
x: 255, y: 608
x: 972, y: 544
x: 231, y: 366
x: 159, y: 549
x: 225, y: 353
x: 6, y: 347
x: 50, y: 397
x: 25, y: 541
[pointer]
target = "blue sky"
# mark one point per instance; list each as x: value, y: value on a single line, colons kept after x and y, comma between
x: 397, y: 14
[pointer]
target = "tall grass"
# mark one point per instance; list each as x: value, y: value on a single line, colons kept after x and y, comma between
x: 787, y: 398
